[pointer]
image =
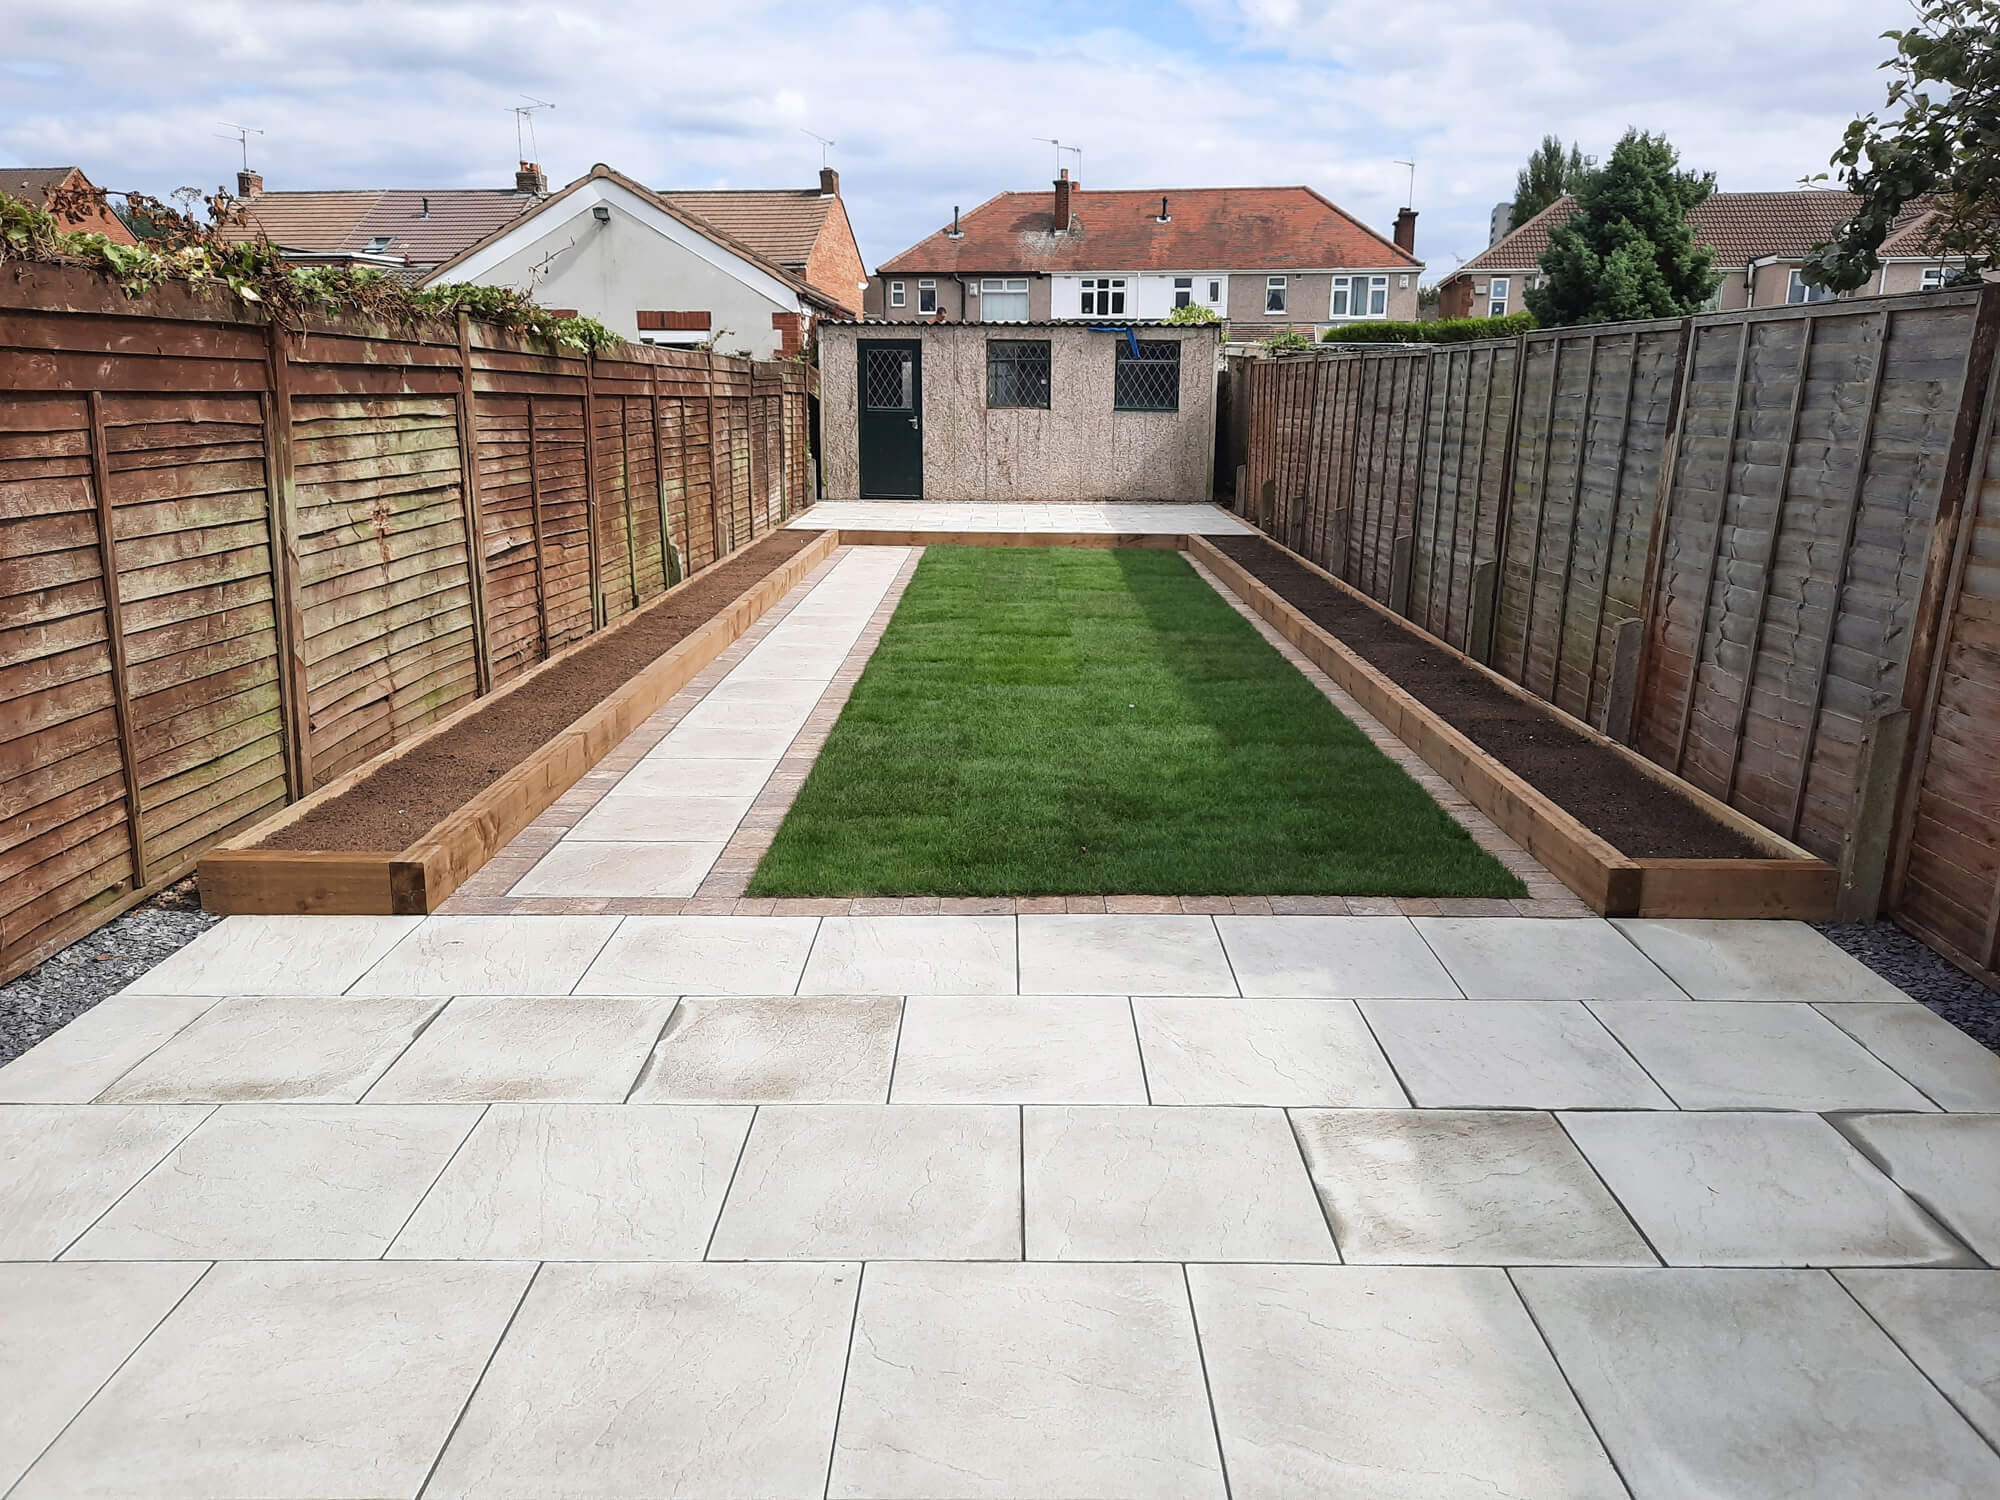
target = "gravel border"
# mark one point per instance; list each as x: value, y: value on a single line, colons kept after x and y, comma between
x: 66, y: 984
x: 1923, y: 974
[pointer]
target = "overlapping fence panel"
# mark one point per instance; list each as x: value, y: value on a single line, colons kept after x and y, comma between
x: 237, y: 561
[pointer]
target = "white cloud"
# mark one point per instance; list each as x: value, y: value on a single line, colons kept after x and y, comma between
x: 935, y: 105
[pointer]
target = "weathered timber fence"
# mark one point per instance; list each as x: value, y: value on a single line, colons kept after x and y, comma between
x: 1761, y: 547
x: 239, y: 559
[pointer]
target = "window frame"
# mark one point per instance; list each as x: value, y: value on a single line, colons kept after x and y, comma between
x: 927, y: 288
x: 1807, y: 294
x: 1123, y: 358
x: 896, y: 294
x: 1934, y: 278
x: 1282, y: 285
x: 1047, y: 373
x: 1003, y: 286
x: 1183, y: 291
x: 1363, y: 288
x: 1101, y: 291
x: 1500, y: 288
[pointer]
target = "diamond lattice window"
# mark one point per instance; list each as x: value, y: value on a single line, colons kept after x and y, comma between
x: 1150, y: 378
x: 889, y: 384
x: 1017, y: 372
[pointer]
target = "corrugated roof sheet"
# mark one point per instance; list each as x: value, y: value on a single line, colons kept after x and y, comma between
x: 1208, y: 229
x: 426, y: 227
x: 781, y: 225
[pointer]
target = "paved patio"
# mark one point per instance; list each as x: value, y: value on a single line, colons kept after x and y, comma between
x: 726, y: 1201
x: 1113, y: 517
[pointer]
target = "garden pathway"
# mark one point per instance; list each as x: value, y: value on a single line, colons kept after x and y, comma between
x: 1069, y: 1204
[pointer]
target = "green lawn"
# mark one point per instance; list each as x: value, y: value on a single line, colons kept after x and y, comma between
x: 1058, y: 721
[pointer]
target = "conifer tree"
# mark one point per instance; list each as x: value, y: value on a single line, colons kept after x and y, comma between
x: 1551, y: 173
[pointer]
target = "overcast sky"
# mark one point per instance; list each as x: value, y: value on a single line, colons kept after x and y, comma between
x: 938, y: 104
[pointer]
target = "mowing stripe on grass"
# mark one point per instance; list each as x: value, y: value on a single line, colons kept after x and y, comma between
x: 1052, y: 721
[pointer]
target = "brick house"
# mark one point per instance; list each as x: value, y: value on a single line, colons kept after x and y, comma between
x: 1759, y: 241
x: 1267, y: 259
x: 39, y: 185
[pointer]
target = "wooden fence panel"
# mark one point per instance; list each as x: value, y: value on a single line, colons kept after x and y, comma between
x: 566, y: 543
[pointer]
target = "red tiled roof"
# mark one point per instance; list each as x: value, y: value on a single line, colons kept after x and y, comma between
x: 425, y: 227
x: 1210, y: 229
x: 781, y: 225
x: 33, y: 184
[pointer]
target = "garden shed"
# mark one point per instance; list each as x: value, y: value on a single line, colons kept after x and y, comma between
x: 1019, y: 411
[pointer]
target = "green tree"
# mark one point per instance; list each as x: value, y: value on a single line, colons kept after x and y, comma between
x: 1628, y: 251
x: 1550, y: 174
x: 1945, y: 149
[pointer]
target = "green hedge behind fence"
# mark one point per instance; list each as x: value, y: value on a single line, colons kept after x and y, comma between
x: 1438, y: 331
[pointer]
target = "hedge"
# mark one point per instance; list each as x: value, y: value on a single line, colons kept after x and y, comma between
x: 1438, y: 331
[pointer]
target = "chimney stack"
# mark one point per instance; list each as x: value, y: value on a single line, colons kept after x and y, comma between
x: 1406, y: 230
x: 1064, y: 187
x: 531, y: 179
x: 829, y: 183
x: 249, y: 183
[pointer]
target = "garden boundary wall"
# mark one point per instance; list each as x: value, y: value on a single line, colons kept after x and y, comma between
x: 239, y: 559
x: 1761, y: 547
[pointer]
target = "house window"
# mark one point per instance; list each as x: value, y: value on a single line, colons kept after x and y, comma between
x: 1183, y: 290
x: 895, y: 294
x: 1148, y: 377
x: 1004, y: 299
x: 377, y: 245
x: 1274, y: 294
x: 1103, y: 297
x: 927, y: 297
x: 1017, y: 372
x: 1797, y: 291
x: 1496, y: 306
x: 1365, y: 296
x: 1214, y: 292
x: 1933, y: 278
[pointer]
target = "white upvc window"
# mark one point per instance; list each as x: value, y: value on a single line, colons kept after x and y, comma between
x: 1276, y: 290
x: 895, y: 294
x: 1361, y: 297
x: 1934, y: 278
x: 1003, y: 299
x: 1496, y: 302
x: 1215, y: 292
x: 1183, y: 291
x: 1797, y: 291
x: 1102, y: 297
x: 927, y: 297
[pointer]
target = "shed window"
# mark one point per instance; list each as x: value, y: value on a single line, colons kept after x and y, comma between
x: 1103, y: 297
x: 1003, y: 299
x: 927, y: 297
x: 1148, y: 378
x: 1275, y: 289
x: 1017, y: 372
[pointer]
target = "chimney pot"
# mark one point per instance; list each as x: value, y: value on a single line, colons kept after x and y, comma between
x: 249, y: 183
x: 1165, y: 217
x: 531, y: 179
x: 1064, y: 187
x: 956, y: 232
x: 1406, y: 230
x: 829, y: 183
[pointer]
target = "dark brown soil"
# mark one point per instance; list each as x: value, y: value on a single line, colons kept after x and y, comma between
x: 1629, y: 810
x: 403, y: 800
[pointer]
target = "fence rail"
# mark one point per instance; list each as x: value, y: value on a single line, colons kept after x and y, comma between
x: 238, y: 559
x: 1761, y: 547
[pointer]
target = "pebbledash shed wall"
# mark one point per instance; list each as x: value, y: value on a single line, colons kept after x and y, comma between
x: 1078, y: 448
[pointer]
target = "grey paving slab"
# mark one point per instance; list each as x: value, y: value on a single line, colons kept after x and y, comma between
x: 1949, y: 1066
x: 1749, y: 1189
x: 278, y: 955
x: 1509, y: 1054
x: 650, y: 869
x: 1756, y: 1385
x: 1948, y: 1322
x: 1388, y: 1383
x: 797, y: 1049
x: 63, y: 1330
x: 94, y: 1050
x: 876, y: 1182
x: 623, y: 817
x: 1018, y: 1049
x: 581, y: 1182
x: 63, y: 1165
x: 1533, y: 958
x: 912, y: 956
x: 702, y: 956
x: 1948, y: 1163
x: 1755, y: 960
x: 288, y: 1380
x: 490, y: 956
x: 1221, y: 1051
x: 284, y: 1182
x: 1118, y: 1183
x: 325, y: 1049
x: 661, y: 775
x: 970, y: 1381
x: 528, y: 1048
x: 708, y: 742
x: 1353, y: 958
x: 1122, y: 955
x: 1725, y: 1054
x: 684, y: 1380
x: 1462, y: 1187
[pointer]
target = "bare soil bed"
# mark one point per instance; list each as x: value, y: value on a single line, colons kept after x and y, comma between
x: 1620, y: 804
x: 397, y: 804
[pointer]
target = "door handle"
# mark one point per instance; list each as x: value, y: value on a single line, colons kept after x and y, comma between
x: 914, y: 422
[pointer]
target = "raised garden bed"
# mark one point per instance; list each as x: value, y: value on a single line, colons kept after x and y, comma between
x: 399, y: 835
x: 1629, y: 838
